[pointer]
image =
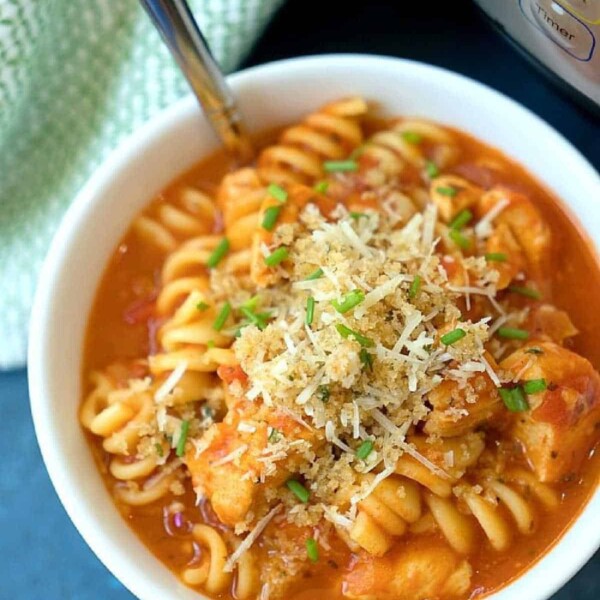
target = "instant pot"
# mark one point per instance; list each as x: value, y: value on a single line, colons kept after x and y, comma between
x: 559, y: 36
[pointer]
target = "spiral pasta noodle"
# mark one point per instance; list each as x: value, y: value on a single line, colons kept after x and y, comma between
x: 189, y: 214
x: 384, y: 514
x: 331, y: 133
x: 211, y: 573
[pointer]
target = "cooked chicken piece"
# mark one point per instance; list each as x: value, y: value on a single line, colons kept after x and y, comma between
x: 452, y: 194
x: 524, y: 222
x: 548, y: 323
x: 420, y: 570
x: 558, y: 431
x: 229, y: 461
x: 503, y: 241
x: 457, y: 411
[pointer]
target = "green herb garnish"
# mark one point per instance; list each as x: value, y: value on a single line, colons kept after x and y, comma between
x: 218, y: 253
x: 513, y: 333
x: 459, y: 239
x: 185, y: 425
x: 453, y: 336
x: 447, y: 191
x: 432, y: 169
x: 277, y: 256
x: 298, y: 490
x: 525, y: 291
x: 461, y: 219
x: 312, y: 550
x: 412, y: 137
x: 222, y: 317
x: 315, y: 275
x: 366, y: 358
x: 323, y: 393
x: 339, y: 166
x: 159, y: 449
x: 277, y: 192
x: 270, y: 217
x: 514, y: 399
x: 321, y: 187
x: 415, y: 287
x: 202, y: 306
x: 364, y: 449
x: 346, y: 332
x: 534, y: 386
x: 349, y: 301
x: 258, y: 319
x: 310, y: 310
x: 496, y: 257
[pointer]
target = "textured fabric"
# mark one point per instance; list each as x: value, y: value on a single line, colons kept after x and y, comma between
x: 76, y: 77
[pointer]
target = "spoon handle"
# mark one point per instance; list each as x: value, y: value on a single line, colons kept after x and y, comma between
x: 180, y: 32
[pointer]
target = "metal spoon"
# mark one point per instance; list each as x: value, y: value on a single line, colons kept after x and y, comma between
x: 178, y: 29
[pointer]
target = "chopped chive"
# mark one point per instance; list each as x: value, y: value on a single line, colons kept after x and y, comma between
x: 277, y: 192
x: 415, y: 287
x: 270, y: 218
x: 459, y: 239
x: 364, y: 449
x: 312, y: 550
x: 323, y: 393
x: 258, y: 319
x: 338, y: 166
x: 202, y: 306
x: 298, y: 490
x: 496, y: 257
x: 431, y: 168
x: 315, y: 275
x: 366, y: 358
x: 412, y: 137
x: 252, y: 303
x: 274, y: 435
x: 210, y: 344
x: 218, y: 253
x: 447, y: 191
x: 349, y: 301
x: 321, y: 187
x: 310, y: 310
x: 534, y: 350
x: 513, y: 333
x: 525, y: 291
x: 461, y: 219
x: 357, y: 215
x: 185, y: 425
x: 346, y: 332
x: 453, y: 336
x: 534, y: 386
x: 276, y: 257
x: 222, y: 317
x: 514, y: 399
x: 159, y: 449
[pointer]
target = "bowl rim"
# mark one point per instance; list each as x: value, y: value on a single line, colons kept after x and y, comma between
x: 560, y: 562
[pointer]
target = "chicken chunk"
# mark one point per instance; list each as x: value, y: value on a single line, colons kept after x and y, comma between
x: 423, y: 569
x: 524, y: 222
x: 558, y: 430
x: 228, y: 462
x: 456, y: 411
x: 548, y: 323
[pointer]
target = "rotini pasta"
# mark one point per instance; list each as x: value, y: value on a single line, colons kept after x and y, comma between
x: 347, y: 372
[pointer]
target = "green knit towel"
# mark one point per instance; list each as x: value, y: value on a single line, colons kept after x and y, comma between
x: 76, y: 77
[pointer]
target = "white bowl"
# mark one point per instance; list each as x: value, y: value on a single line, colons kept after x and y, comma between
x: 269, y: 95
